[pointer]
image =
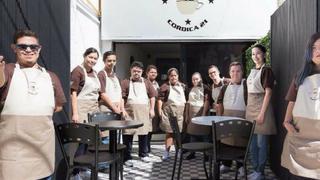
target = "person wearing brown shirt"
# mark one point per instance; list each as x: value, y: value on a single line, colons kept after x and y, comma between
x: 139, y: 97
x: 232, y: 101
x: 30, y: 95
x: 300, y: 154
x: 260, y: 83
x: 171, y: 103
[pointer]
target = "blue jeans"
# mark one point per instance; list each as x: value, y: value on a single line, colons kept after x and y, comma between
x: 259, y: 151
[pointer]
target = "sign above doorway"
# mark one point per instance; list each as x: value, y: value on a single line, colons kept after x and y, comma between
x: 176, y: 20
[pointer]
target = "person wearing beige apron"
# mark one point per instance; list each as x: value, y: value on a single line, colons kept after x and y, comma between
x: 301, y: 147
x: 217, y: 84
x: 85, y: 87
x: 152, y: 73
x: 197, y: 105
x: 171, y: 103
x: 232, y: 102
x: 110, y: 93
x: 27, y: 135
x: 260, y: 83
x: 139, y: 96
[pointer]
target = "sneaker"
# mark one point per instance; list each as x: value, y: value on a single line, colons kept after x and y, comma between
x: 76, y: 177
x: 85, y: 174
x: 145, y: 159
x: 191, y: 156
x: 128, y: 163
x: 165, y: 155
x: 255, y: 176
x: 241, y: 172
x: 224, y: 168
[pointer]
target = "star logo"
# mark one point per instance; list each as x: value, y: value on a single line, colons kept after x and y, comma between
x: 188, y: 22
x: 164, y: 1
x: 211, y: 1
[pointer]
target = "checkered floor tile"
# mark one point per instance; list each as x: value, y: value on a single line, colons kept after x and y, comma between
x: 157, y: 169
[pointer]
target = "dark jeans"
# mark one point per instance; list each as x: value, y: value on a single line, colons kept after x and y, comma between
x: 143, y: 148
x: 149, y: 142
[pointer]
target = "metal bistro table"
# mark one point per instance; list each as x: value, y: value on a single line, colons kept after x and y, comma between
x: 113, y: 126
x: 207, y: 121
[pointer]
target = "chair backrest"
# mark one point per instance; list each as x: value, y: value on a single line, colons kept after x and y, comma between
x: 103, y: 116
x: 77, y: 133
x: 176, y: 132
x: 232, y: 128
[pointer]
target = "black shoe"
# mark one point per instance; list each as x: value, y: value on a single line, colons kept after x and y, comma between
x: 191, y: 156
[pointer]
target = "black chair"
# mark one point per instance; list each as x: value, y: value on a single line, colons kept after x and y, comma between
x: 107, y: 116
x: 231, y: 129
x: 191, y: 147
x: 85, y: 134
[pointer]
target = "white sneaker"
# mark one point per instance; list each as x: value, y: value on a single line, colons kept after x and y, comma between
x: 224, y: 168
x: 145, y: 159
x: 165, y: 155
x: 241, y: 171
x: 255, y: 176
x: 76, y: 177
x: 129, y: 163
x: 85, y: 174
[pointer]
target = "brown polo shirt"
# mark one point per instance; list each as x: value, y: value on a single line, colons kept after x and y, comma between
x: 59, y: 96
x: 165, y: 90
x: 224, y: 88
x: 102, y: 79
x: 293, y: 89
x: 78, y: 79
x: 125, y: 88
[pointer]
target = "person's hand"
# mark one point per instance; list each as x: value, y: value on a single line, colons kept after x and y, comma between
x: 260, y: 118
x: 151, y: 113
x: 124, y: 114
x: 290, y: 127
x: 117, y: 110
x: 75, y: 118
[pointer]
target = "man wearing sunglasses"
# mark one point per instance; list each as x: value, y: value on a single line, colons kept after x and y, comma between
x: 29, y: 95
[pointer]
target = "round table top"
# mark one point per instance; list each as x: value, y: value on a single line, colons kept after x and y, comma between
x: 207, y: 120
x: 117, y: 124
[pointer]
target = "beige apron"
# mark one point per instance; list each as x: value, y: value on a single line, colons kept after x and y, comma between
x: 26, y: 129
x: 137, y: 107
x: 194, y: 108
x: 255, y: 99
x: 301, y: 151
x: 234, y: 105
x: 88, y: 96
x: 173, y: 107
x: 156, y: 118
x: 113, y: 91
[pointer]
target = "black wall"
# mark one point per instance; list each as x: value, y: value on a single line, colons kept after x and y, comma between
x: 291, y: 26
x: 51, y: 21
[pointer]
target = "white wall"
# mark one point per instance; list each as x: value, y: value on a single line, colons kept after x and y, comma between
x: 85, y: 31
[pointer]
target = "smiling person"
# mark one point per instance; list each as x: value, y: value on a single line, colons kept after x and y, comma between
x: 139, y: 97
x: 260, y: 83
x: 232, y: 102
x: 85, y: 87
x: 29, y: 96
x: 302, y: 120
x: 171, y: 103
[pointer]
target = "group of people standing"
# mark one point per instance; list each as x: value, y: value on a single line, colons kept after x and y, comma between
x: 30, y: 95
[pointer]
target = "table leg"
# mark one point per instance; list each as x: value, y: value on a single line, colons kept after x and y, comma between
x: 113, y: 149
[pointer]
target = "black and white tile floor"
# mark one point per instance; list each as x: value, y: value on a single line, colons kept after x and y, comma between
x: 162, y: 170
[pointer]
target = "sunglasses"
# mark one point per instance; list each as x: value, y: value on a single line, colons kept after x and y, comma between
x: 24, y: 47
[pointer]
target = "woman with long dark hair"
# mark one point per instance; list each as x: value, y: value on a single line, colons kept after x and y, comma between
x: 302, y: 121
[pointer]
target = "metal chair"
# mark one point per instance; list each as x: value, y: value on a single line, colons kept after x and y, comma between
x: 85, y: 134
x: 191, y: 147
x: 107, y: 116
x: 231, y: 129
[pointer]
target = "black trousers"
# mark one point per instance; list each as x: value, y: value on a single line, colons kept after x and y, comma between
x: 143, y: 147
